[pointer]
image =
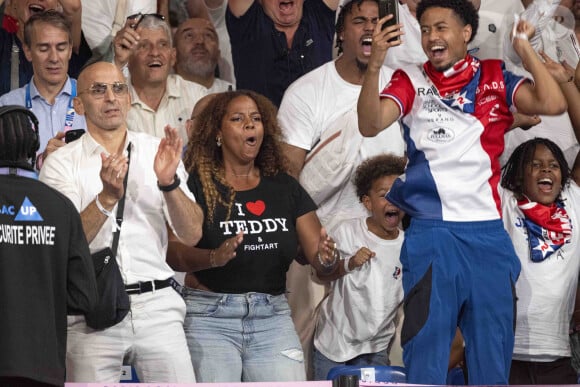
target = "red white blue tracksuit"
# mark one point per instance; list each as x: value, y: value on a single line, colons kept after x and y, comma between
x: 459, y: 266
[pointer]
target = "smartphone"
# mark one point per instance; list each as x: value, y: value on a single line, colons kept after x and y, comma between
x: 387, y: 7
x: 73, y: 134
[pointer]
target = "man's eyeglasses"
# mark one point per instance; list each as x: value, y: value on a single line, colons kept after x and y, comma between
x: 98, y: 89
x: 138, y: 18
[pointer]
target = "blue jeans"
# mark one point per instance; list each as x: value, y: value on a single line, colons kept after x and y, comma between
x: 242, y: 337
x: 322, y: 365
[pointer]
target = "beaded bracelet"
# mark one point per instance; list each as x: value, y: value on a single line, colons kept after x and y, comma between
x: 212, y: 262
x: 327, y: 265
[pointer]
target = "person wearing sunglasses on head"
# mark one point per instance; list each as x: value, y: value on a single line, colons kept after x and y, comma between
x: 91, y: 172
x: 48, y: 45
x: 158, y: 98
x: 102, y: 19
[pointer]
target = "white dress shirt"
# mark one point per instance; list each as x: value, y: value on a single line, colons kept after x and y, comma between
x: 74, y: 171
x: 174, y: 109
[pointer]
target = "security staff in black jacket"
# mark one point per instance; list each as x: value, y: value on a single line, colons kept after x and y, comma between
x: 45, y: 264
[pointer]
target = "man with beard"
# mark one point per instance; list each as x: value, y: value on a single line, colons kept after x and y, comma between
x: 158, y: 98
x: 459, y: 264
x: 322, y: 142
x: 315, y: 105
x: 198, y: 52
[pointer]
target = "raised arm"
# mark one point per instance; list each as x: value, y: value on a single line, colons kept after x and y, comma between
x: 544, y: 95
x: 163, y: 9
x: 198, y: 8
x: 239, y: 7
x: 572, y: 94
x: 57, y: 173
x: 375, y: 114
x: 72, y: 10
x: 113, y: 170
x: 124, y: 43
x: 332, y: 4
x: 563, y: 74
x: 185, y: 216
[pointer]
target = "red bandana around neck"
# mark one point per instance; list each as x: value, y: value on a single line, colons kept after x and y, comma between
x: 548, y: 227
x: 453, y: 79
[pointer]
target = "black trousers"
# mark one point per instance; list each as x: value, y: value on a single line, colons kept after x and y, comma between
x: 554, y: 372
x: 13, y: 381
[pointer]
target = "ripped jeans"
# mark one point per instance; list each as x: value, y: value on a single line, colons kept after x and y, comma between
x: 246, y: 337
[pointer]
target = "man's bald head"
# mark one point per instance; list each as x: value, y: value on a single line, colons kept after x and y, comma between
x: 197, y: 109
x: 103, y: 97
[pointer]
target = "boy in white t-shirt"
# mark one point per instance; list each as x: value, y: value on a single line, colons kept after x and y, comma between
x: 356, y: 324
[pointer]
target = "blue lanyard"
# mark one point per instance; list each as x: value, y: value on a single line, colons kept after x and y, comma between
x: 70, y: 112
x: 19, y: 172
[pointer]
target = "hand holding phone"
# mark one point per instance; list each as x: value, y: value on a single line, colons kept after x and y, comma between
x: 389, y: 7
x: 73, y: 134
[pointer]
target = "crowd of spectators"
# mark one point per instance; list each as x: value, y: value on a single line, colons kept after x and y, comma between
x: 293, y: 158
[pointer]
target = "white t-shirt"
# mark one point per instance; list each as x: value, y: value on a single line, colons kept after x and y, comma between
x: 315, y: 105
x: 174, y: 109
x: 225, y: 63
x: 98, y: 17
x: 546, y: 290
x: 358, y: 315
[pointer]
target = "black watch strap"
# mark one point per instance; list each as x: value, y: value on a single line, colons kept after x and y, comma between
x: 170, y: 187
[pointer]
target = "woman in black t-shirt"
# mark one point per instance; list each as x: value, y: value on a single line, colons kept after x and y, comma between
x: 238, y: 321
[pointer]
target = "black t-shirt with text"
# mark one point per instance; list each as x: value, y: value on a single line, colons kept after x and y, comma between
x: 267, y: 214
